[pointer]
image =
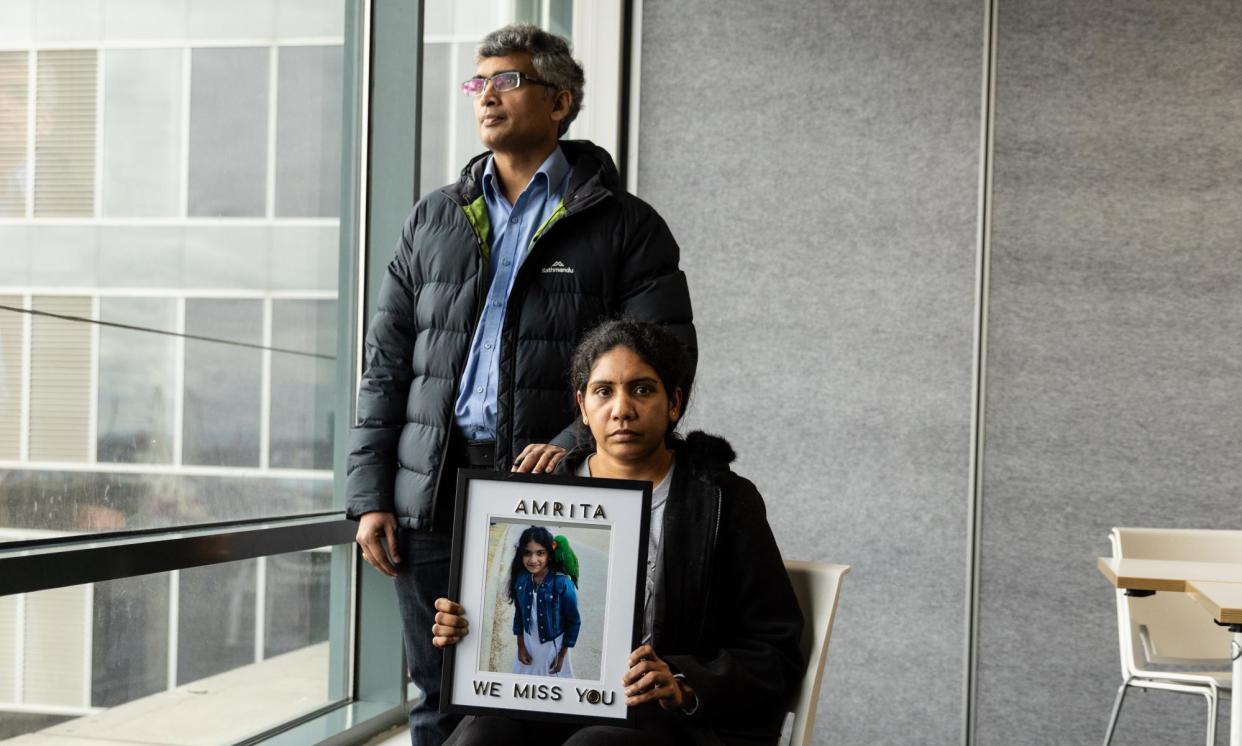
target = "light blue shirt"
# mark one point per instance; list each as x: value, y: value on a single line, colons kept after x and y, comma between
x: 512, y: 228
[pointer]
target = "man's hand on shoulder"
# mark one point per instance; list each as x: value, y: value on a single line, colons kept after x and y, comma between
x: 538, y: 458
x: 375, y: 529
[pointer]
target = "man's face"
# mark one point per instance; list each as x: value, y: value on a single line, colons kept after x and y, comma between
x: 526, y: 117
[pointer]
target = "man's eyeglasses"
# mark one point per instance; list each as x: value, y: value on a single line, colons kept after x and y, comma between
x: 501, y: 82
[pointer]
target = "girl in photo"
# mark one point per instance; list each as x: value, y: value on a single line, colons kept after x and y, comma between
x: 719, y: 661
x: 545, y: 600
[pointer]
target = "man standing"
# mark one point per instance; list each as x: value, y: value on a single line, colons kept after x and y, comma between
x: 494, y: 280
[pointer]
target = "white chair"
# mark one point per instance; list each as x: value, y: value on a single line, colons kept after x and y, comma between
x: 1167, y: 640
x: 818, y: 586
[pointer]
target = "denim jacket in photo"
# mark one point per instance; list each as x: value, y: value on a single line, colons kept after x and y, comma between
x: 557, y: 608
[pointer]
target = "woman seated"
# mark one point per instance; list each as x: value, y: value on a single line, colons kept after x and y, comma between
x: 720, y: 658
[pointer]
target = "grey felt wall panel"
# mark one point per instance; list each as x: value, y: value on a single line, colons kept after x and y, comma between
x: 1114, y: 369
x: 818, y: 162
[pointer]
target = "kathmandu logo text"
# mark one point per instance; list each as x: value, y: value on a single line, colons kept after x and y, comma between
x: 558, y: 267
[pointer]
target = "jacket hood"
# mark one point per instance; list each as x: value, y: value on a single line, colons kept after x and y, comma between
x: 592, y: 169
x: 701, y: 451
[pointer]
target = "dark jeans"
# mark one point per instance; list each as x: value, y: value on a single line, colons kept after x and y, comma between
x: 490, y: 730
x: 422, y: 577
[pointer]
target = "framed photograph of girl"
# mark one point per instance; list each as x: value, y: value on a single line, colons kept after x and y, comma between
x: 551, y: 573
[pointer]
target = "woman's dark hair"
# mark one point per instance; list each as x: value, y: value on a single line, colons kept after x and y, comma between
x: 543, y: 538
x: 653, y: 343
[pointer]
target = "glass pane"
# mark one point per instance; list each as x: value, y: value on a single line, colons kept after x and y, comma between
x: 466, y: 134
x: 142, y: 132
x: 129, y: 656
x: 223, y: 382
x: 136, y: 380
x: 38, y: 503
x: 213, y: 637
x: 60, y: 375
x: 223, y: 19
x: 187, y: 652
x: 66, y: 20
x: 309, y: 18
x: 16, y: 21
x: 561, y: 17
x: 302, y: 385
x: 144, y: 19
x: 181, y: 184
x: 439, y: 94
x: 65, y: 134
x: 308, y: 135
x: 14, y: 84
x: 228, y: 132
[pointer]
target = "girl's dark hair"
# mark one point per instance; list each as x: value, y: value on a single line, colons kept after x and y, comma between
x: 540, y: 536
x: 653, y: 343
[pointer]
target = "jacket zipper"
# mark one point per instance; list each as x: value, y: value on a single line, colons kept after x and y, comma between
x: 710, y: 559
x: 530, y: 249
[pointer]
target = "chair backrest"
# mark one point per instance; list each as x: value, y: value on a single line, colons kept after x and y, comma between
x: 818, y: 586
x: 1171, y: 627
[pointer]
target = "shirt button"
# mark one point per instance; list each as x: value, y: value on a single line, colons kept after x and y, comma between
x: 506, y: 262
x: 478, y: 389
x: 513, y: 221
x: 487, y: 345
x: 496, y: 304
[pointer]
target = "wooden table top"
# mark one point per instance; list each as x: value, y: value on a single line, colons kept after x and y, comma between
x: 1216, y: 586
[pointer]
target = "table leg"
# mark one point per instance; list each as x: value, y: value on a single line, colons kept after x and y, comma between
x: 1235, y: 700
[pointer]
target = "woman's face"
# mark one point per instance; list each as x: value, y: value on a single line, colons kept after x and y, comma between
x: 626, y: 407
x: 535, y: 558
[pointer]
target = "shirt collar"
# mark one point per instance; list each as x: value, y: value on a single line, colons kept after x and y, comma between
x: 553, y: 170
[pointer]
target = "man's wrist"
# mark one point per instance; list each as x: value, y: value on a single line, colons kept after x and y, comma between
x: 689, y: 697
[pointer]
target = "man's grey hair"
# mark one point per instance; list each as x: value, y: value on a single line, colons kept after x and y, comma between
x: 550, y: 54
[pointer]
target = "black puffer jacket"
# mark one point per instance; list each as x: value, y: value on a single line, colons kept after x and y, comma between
x: 726, y: 614
x: 604, y: 253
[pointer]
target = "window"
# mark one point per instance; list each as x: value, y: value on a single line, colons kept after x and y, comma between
x: 170, y: 202
x: 169, y: 212
x: 174, y: 199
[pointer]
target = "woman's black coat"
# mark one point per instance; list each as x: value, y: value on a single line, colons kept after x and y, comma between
x: 726, y: 613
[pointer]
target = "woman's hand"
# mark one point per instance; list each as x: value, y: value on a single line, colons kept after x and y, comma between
x: 557, y: 664
x: 649, y: 678
x: 523, y: 656
x: 538, y: 458
x: 451, y: 624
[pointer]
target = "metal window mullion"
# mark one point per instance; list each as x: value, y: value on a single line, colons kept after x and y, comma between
x: 63, y: 561
x: 174, y: 625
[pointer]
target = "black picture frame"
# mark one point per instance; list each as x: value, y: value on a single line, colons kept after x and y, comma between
x: 623, y: 507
